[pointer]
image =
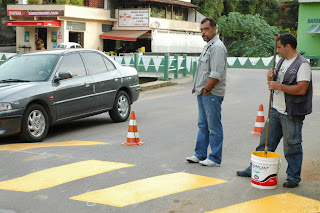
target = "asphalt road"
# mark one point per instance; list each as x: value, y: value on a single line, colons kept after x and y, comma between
x: 57, y: 174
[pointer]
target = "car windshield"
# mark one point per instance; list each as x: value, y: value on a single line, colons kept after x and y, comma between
x: 27, y: 68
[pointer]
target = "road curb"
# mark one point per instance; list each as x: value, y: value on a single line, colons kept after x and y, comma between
x: 156, y: 84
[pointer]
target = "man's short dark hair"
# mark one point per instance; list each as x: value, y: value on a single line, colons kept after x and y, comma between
x: 288, y: 38
x: 213, y: 22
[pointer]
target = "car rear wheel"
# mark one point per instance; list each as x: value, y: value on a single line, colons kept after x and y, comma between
x: 121, y: 107
x: 35, y: 124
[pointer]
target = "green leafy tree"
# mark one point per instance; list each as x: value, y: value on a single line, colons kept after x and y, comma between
x: 248, y: 35
x: 210, y: 8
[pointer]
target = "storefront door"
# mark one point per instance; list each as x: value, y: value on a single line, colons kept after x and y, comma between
x: 76, y: 37
x: 42, y: 33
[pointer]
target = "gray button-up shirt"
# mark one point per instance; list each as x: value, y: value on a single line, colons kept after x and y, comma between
x: 212, y: 64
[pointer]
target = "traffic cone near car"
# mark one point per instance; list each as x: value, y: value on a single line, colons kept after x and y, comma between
x: 258, y: 126
x: 133, y: 134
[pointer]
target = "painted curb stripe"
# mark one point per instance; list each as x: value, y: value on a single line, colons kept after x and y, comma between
x: 281, y: 203
x: 147, y: 189
x: 24, y: 146
x: 59, y: 175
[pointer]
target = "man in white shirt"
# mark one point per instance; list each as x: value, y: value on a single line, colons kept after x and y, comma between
x: 292, y: 100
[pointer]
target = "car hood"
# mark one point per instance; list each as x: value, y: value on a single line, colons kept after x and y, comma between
x: 8, y: 89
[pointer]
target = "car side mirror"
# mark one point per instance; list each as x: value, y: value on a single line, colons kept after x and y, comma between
x: 63, y: 75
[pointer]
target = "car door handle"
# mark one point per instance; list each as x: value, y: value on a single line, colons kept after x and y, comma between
x: 87, y: 84
x: 116, y: 79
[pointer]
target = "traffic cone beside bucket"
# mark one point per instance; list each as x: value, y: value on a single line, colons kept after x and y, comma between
x: 258, y: 126
x: 133, y: 134
x: 265, y: 169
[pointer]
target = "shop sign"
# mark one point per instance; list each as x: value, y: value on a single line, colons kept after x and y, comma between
x: 314, y: 20
x: 59, y: 35
x: 134, y: 18
x: 26, y: 36
x: 15, y: 13
x: 54, y: 37
x: 44, y: 13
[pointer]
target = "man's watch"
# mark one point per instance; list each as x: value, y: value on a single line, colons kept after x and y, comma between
x: 205, y: 90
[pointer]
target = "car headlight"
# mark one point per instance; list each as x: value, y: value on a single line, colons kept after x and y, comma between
x: 5, y: 106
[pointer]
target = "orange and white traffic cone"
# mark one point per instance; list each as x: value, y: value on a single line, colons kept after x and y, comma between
x: 258, y: 126
x: 133, y: 134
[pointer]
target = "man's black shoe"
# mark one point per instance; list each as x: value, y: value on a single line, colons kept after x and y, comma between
x: 243, y: 173
x: 290, y: 184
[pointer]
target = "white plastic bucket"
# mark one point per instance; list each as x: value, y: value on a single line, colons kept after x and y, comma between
x: 265, y: 169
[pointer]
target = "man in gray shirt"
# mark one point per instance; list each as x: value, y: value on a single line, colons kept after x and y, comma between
x: 209, y: 86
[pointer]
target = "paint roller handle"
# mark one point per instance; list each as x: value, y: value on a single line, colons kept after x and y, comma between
x: 271, y: 95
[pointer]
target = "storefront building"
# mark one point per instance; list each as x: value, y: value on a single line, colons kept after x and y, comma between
x: 309, y: 29
x: 157, y: 26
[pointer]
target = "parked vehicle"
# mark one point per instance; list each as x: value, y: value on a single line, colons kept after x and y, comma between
x: 68, y: 45
x: 44, y: 88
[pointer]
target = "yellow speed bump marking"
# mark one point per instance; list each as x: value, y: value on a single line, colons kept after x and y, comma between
x: 286, y: 202
x: 147, y: 189
x: 24, y: 146
x: 59, y: 175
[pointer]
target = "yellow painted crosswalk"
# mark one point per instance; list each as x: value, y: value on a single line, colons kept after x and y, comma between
x: 281, y: 203
x: 147, y: 189
x: 59, y: 175
x: 140, y: 190
x: 25, y: 146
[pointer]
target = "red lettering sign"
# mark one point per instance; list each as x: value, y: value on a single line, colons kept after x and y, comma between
x: 15, y: 13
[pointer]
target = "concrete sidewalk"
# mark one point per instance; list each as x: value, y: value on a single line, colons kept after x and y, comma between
x: 157, y: 84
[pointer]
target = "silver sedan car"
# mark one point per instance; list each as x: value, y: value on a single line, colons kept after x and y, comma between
x: 41, y: 89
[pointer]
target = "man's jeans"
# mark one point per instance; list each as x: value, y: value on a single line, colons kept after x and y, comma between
x: 290, y: 130
x: 210, y: 127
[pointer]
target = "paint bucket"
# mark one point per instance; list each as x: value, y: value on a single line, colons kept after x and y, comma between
x: 265, y: 169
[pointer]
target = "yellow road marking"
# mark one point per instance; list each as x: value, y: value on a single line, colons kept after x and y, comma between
x: 286, y: 202
x: 147, y: 189
x: 24, y: 146
x: 58, y: 175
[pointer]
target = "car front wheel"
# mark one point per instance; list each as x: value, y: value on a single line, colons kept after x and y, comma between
x: 121, y: 107
x: 35, y: 124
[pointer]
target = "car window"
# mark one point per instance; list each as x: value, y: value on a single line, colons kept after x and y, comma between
x: 94, y: 62
x: 72, y: 46
x: 28, y: 68
x: 109, y: 64
x: 78, y: 46
x: 74, y: 64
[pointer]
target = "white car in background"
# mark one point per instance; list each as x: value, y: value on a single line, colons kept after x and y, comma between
x: 68, y: 45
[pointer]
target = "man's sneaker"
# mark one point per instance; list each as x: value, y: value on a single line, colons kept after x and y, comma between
x: 208, y: 162
x: 290, y: 184
x: 243, y: 173
x: 193, y: 159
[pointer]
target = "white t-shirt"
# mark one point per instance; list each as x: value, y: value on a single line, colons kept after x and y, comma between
x: 304, y: 74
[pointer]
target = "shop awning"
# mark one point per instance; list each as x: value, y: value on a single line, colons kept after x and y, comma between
x: 314, y: 29
x: 44, y: 23
x: 123, y: 35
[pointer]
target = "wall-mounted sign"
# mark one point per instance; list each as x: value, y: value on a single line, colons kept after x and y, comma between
x: 134, y: 18
x: 313, y: 20
x: 35, y: 13
x: 54, y: 36
x: 15, y: 13
x: 44, y: 12
x: 26, y: 36
x: 59, y: 35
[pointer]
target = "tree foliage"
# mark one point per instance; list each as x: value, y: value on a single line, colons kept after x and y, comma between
x: 269, y: 9
x: 250, y: 35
